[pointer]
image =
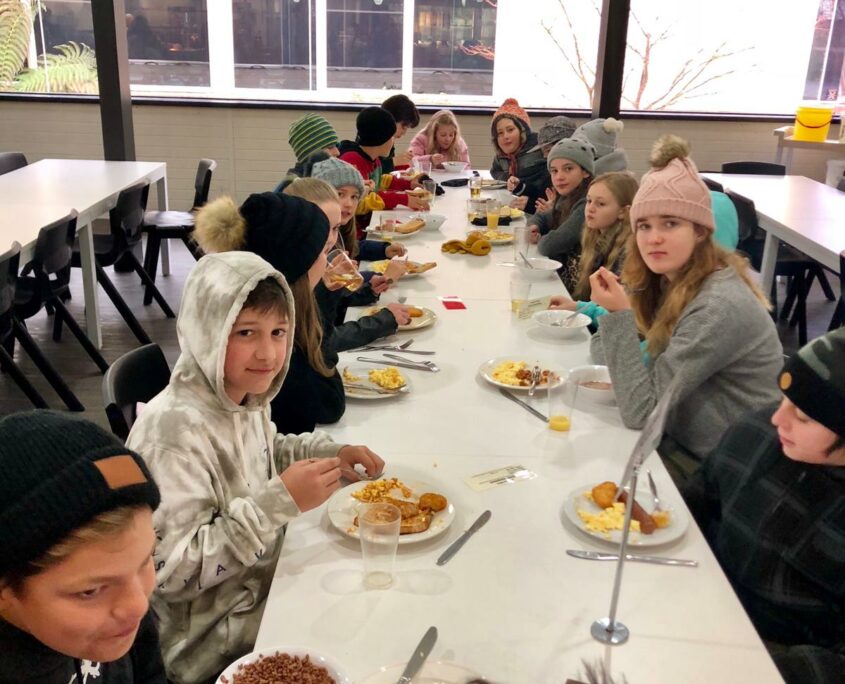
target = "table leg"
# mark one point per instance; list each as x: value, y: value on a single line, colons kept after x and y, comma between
x: 164, y: 252
x: 89, y: 284
x: 767, y: 267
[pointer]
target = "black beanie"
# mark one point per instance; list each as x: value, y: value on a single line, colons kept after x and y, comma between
x: 375, y: 126
x: 287, y: 232
x: 58, y: 473
x: 814, y: 380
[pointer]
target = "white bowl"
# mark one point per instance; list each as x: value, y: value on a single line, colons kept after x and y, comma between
x: 454, y: 166
x: 582, y: 374
x: 542, y: 268
x: 432, y: 221
x: 568, y: 327
x: 334, y: 669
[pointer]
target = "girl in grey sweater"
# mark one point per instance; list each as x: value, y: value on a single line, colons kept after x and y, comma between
x: 700, y: 314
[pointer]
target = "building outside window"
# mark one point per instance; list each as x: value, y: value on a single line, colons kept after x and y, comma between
x: 713, y: 56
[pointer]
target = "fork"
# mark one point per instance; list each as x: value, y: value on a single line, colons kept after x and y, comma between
x: 535, y: 378
x: 564, y: 322
x: 363, y: 477
x: 391, y: 347
x: 653, y: 487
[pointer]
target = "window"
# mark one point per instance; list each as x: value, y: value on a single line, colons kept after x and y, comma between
x: 168, y: 42
x: 274, y: 43
x: 365, y: 43
x: 454, y: 47
x: 826, y: 67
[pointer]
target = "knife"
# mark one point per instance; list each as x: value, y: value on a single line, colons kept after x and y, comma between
x: 396, y: 363
x: 519, y: 401
x: 460, y: 541
x: 659, y: 560
x: 419, y: 655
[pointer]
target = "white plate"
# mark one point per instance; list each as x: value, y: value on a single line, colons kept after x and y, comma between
x: 498, y: 241
x: 435, y: 672
x: 385, y: 261
x: 361, y: 370
x: 334, y: 669
x: 342, y: 509
x: 428, y: 317
x: 666, y: 535
x: 486, y: 371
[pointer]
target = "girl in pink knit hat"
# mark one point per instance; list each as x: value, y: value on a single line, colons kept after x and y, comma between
x: 698, y: 311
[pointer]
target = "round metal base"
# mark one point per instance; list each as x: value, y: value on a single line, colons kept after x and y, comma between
x: 607, y: 634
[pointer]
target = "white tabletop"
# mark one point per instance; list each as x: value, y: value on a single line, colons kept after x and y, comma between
x: 511, y: 605
x: 800, y: 211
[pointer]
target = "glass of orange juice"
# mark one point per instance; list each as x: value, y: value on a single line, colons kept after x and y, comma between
x: 561, y: 396
x: 493, y: 208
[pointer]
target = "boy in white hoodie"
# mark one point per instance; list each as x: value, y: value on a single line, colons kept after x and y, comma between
x: 209, y: 441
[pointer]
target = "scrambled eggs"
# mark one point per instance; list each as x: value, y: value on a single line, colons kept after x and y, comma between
x: 607, y: 519
x: 507, y: 372
x: 389, y: 378
x: 378, y: 490
x: 349, y: 376
x: 498, y: 235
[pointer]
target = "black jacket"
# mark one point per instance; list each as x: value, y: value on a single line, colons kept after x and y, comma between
x: 23, y: 659
x: 351, y: 334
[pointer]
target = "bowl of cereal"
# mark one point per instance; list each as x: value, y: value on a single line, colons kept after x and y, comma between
x: 594, y: 383
x: 454, y: 166
x: 284, y: 665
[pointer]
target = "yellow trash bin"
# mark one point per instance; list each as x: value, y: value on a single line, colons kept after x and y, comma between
x: 812, y: 122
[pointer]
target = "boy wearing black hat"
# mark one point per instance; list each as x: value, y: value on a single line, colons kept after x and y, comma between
x: 771, y: 501
x: 76, y: 566
x: 376, y: 129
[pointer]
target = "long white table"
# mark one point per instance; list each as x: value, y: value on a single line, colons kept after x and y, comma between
x: 42, y: 192
x: 511, y: 605
x: 797, y: 210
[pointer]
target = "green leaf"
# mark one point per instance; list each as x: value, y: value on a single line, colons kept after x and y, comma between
x: 15, y: 28
x: 73, y: 70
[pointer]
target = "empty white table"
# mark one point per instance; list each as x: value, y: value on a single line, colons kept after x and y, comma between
x: 511, y: 605
x: 797, y: 210
x: 55, y: 186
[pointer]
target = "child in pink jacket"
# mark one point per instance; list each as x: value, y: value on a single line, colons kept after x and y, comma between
x: 440, y: 140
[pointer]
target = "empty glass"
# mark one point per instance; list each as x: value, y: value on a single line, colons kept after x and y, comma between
x: 378, y: 527
x: 430, y: 187
x: 423, y: 166
x: 520, y: 291
x: 520, y: 244
x: 341, y: 272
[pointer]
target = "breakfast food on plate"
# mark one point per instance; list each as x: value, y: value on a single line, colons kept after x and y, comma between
x: 604, y: 496
x: 389, y: 378
x: 417, y: 515
x: 411, y: 226
x: 414, y: 312
x: 518, y: 374
x: 474, y: 244
x: 349, y: 376
x: 280, y: 668
x: 420, y: 193
x: 413, y: 266
x: 498, y: 235
x: 596, y: 385
x: 511, y: 212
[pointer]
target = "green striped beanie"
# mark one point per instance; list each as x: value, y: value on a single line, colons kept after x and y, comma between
x: 310, y: 134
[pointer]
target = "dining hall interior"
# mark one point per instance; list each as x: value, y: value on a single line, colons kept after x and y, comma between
x: 547, y: 300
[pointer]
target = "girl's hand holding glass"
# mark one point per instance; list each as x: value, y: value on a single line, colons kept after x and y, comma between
x: 607, y: 291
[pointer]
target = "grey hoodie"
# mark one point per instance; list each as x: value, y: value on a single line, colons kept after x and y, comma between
x: 223, y: 505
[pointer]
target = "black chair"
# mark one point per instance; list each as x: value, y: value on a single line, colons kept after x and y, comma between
x: 136, y: 376
x: 10, y: 161
x: 800, y: 269
x: 53, y: 252
x: 11, y: 330
x: 839, y: 313
x: 841, y: 185
x: 176, y: 225
x: 124, y: 233
x: 756, y: 167
x: 712, y: 185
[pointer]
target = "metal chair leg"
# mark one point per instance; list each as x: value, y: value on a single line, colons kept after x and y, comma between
x: 122, y: 307
x: 151, y: 287
x: 63, y: 313
x: 7, y: 363
x: 151, y: 262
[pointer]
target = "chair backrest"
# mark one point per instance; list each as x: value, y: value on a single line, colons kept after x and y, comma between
x: 10, y: 161
x: 8, y: 277
x: 54, y: 247
x: 138, y: 375
x: 746, y: 215
x: 712, y: 185
x: 841, y: 185
x: 202, y: 183
x: 127, y: 217
x: 758, y: 167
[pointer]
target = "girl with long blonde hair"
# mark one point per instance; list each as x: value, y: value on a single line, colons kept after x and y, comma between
x: 606, y: 229
x: 696, y: 308
x: 440, y: 141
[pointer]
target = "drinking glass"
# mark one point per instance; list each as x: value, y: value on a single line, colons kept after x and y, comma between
x: 520, y: 244
x: 493, y: 208
x: 430, y: 187
x: 378, y: 527
x: 475, y: 209
x: 423, y: 166
x: 561, y: 398
x: 341, y: 272
x: 520, y: 291
x: 475, y: 187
